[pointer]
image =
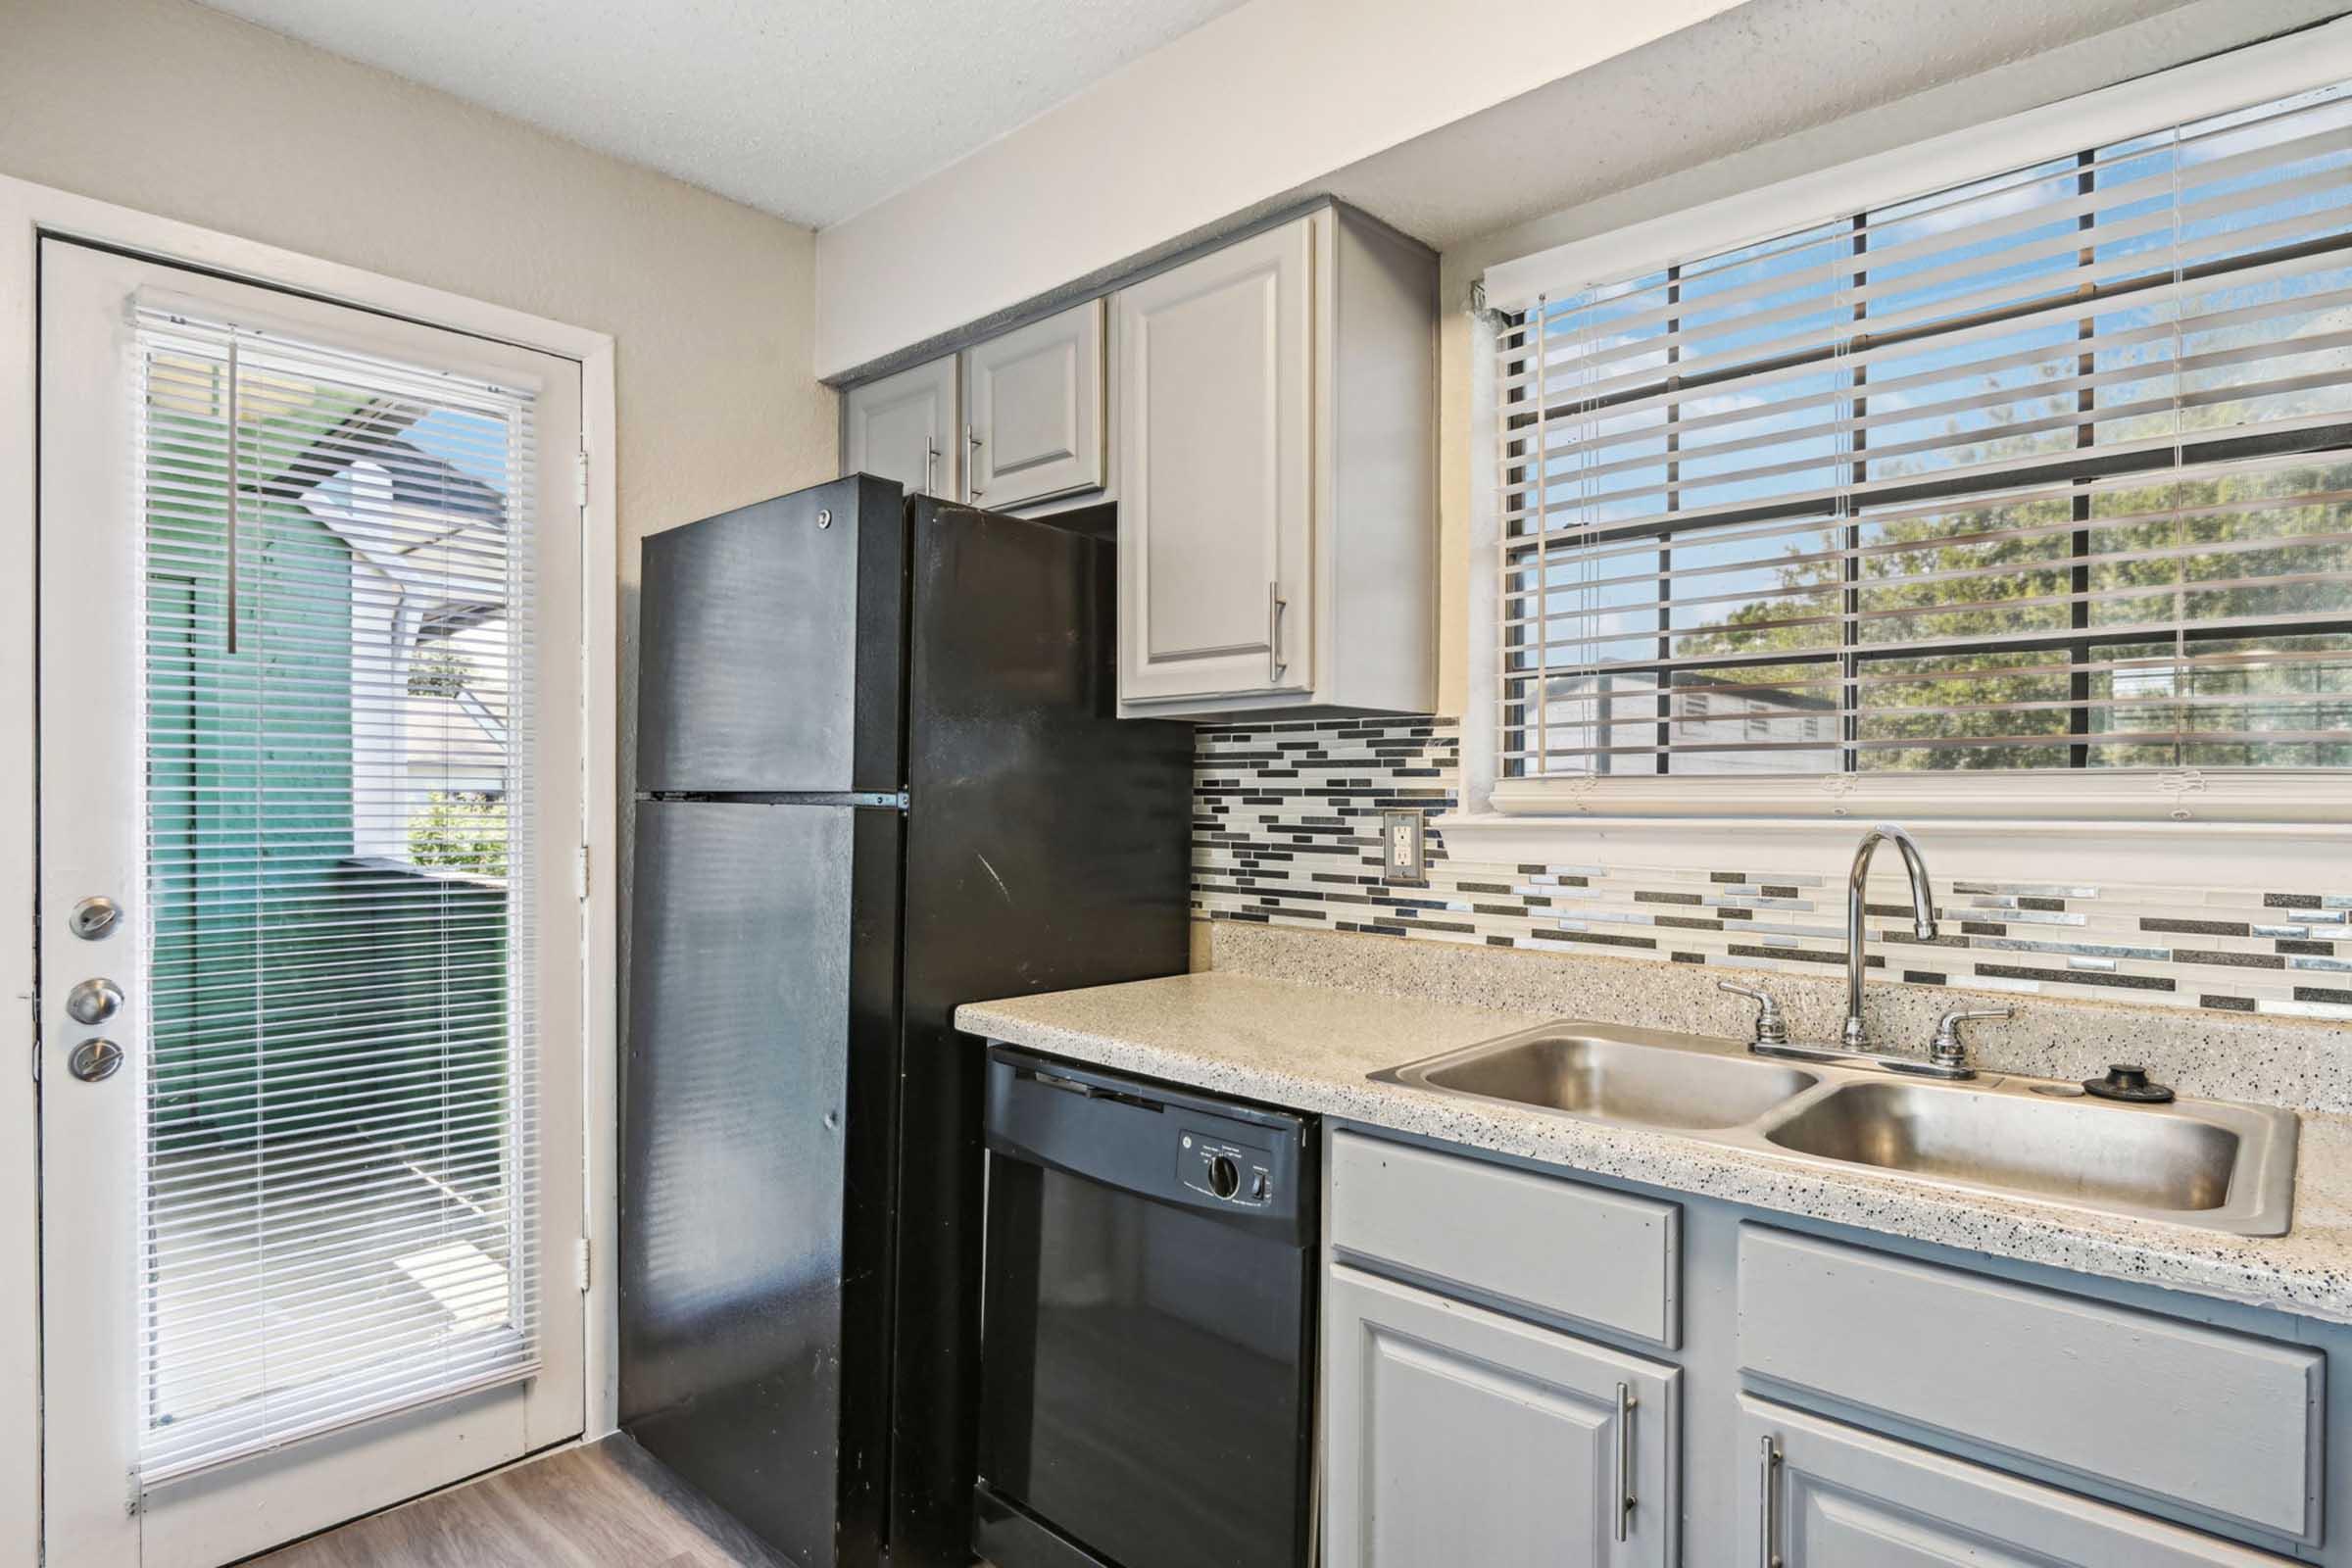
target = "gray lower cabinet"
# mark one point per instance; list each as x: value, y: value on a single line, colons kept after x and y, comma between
x: 1458, y: 1436
x: 1822, y: 1494
x: 2082, y: 1383
x: 1796, y: 1400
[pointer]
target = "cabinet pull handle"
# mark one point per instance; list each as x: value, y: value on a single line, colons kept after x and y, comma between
x: 1275, y: 606
x: 1626, y: 1402
x: 1768, y: 1551
x: 930, y: 466
x: 972, y: 461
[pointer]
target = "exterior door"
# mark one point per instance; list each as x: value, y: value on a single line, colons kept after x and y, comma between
x: 1034, y: 399
x: 1827, y: 1496
x: 310, y: 636
x: 1216, y: 460
x: 903, y: 428
x: 1457, y: 1435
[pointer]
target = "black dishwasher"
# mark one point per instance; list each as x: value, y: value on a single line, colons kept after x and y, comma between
x: 1148, y: 1350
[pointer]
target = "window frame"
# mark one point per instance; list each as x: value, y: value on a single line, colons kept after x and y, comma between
x: 2168, y: 799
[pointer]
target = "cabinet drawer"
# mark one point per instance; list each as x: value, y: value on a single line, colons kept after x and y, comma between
x: 2197, y: 1417
x: 1560, y: 1246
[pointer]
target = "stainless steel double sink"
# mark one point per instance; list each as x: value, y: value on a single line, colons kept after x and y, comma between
x: 2210, y: 1163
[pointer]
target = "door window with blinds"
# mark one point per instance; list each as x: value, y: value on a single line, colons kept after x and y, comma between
x: 2044, y: 474
x: 336, y: 1204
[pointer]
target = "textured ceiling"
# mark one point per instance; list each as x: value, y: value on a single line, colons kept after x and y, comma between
x: 810, y: 108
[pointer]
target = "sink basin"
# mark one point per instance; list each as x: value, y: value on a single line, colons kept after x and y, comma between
x: 2181, y: 1162
x: 2202, y: 1162
x: 1645, y: 1077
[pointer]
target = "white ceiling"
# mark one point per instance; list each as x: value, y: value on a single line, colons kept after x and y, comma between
x: 810, y: 108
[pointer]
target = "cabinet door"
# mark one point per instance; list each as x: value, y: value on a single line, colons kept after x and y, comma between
x: 1033, y: 405
x: 903, y: 428
x: 1827, y: 1496
x: 1216, y: 432
x: 1457, y: 1435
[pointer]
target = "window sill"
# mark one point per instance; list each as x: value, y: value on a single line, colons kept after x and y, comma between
x: 2165, y: 800
x: 2281, y: 842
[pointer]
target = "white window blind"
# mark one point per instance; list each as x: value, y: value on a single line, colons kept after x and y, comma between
x: 336, y: 1217
x: 2049, y: 471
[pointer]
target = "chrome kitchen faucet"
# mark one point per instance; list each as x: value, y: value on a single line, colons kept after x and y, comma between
x: 1923, y: 918
x: 1948, y: 1056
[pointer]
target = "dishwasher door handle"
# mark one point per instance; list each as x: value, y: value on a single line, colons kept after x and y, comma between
x: 1086, y: 1090
x: 1068, y: 1086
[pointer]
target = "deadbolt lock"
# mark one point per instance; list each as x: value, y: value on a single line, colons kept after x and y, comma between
x: 95, y: 918
x: 94, y: 1060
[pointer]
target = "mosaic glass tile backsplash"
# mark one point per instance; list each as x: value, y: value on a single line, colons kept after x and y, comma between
x: 1286, y: 829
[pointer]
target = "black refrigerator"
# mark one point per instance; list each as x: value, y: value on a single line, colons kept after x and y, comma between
x: 880, y: 772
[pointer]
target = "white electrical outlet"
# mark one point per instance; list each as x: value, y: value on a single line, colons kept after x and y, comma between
x: 1401, y: 847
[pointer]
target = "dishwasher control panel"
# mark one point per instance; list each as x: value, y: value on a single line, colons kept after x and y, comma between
x: 1230, y: 1172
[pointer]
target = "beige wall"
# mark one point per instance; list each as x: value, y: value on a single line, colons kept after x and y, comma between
x: 166, y: 107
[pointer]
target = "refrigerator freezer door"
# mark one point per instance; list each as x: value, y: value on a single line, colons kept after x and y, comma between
x: 773, y: 642
x: 762, y: 957
x: 1047, y: 848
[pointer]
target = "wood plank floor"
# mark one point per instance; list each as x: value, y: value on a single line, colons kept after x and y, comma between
x: 608, y: 1505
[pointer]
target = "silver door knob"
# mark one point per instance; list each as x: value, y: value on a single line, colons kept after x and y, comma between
x: 94, y: 918
x: 94, y: 1060
x: 93, y: 1002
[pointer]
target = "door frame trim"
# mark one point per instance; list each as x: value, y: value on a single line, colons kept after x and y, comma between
x: 28, y: 214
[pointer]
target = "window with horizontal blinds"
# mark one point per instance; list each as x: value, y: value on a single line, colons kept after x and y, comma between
x: 2048, y: 471
x: 336, y: 1215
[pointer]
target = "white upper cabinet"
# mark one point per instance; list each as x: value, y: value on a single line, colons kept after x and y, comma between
x: 1032, y: 410
x: 1275, y: 446
x: 1265, y: 416
x: 905, y: 428
x: 1216, y: 531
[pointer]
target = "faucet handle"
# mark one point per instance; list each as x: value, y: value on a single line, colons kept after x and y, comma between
x: 1948, y: 1051
x: 1771, y: 1028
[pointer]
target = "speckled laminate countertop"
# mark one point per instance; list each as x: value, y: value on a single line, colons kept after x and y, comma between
x: 1309, y: 1048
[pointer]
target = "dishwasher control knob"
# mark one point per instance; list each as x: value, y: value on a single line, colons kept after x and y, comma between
x: 1224, y: 1176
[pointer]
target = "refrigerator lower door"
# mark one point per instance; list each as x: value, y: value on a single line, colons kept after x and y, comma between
x: 754, y: 1124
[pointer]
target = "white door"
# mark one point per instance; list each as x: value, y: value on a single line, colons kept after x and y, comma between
x: 1216, y: 460
x: 1034, y: 400
x: 309, y: 680
x: 903, y: 428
